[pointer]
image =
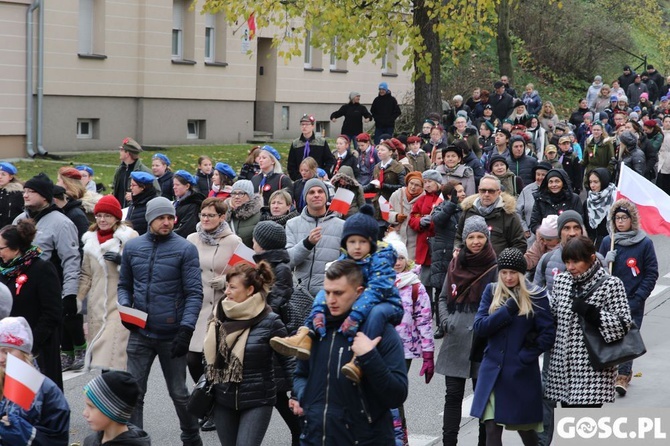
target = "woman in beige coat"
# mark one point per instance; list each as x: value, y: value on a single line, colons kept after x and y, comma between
x: 401, y: 202
x: 107, y: 338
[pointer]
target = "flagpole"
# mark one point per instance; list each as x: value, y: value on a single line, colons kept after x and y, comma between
x: 618, y: 186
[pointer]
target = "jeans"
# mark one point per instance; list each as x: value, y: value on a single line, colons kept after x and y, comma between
x: 379, y: 131
x: 453, y: 405
x: 141, y: 354
x: 626, y: 368
x: 242, y: 427
x: 548, y: 407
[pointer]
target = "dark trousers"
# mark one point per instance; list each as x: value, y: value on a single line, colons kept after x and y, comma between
x: 453, y: 406
x: 47, y: 356
x: 242, y: 427
x: 292, y: 420
x: 73, y: 333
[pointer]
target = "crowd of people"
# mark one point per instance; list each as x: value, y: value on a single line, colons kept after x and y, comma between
x: 491, y: 227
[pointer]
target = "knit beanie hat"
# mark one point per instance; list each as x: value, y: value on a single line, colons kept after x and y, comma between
x: 628, y: 139
x: 41, y: 184
x: 115, y: 394
x: 432, y: 174
x: 475, y: 223
x: 414, y: 175
x: 16, y: 333
x: 353, y: 94
x: 567, y: 216
x: 6, y: 301
x: 270, y: 235
x: 361, y: 223
x: 159, y: 206
x: 394, y: 240
x: 109, y: 205
x: 549, y: 227
x: 314, y: 182
x: 512, y: 258
x: 245, y: 186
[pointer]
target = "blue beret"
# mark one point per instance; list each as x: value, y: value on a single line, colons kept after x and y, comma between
x: 86, y: 168
x: 141, y: 177
x: 9, y: 168
x: 187, y: 176
x: 320, y: 173
x: 225, y: 169
x: 272, y: 151
x: 163, y: 158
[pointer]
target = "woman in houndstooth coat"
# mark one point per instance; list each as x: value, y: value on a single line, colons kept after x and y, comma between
x: 571, y: 378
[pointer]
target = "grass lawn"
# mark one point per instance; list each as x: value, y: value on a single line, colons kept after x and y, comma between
x: 105, y: 163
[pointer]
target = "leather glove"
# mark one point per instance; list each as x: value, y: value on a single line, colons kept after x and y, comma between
x: 590, y: 312
x: 425, y: 221
x: 217, y: 283
x: 454, y: 196
x: 512, y: 306
x: 70, y: 305
x: 130, y: 327
x: 114, y: 257
x: 428, y: 367
x: 401, y: 218
x: 181, y: 342
x: 349, y: 327
x: 610, y: 256
x: 319, y: 323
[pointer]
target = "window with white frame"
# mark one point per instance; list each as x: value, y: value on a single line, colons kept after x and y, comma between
x: 195, y: 129
x: 84, y: 129
x: 86, y: 19
x: 389, y: 60
x: 178, y: 29
x: 308, y: 49
x: 333, y: 54
x: 210, y: 38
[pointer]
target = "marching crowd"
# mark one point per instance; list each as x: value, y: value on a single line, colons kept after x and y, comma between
x: 492, y: 227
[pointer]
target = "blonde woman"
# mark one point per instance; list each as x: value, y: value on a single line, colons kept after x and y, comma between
x: 518, y: 323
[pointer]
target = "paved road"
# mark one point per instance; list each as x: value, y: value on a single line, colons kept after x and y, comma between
x: 425, y: 403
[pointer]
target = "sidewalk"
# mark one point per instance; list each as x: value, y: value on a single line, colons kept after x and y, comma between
x: 647, y: 390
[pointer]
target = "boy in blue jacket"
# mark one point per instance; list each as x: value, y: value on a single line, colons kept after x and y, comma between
x: 378, y: 304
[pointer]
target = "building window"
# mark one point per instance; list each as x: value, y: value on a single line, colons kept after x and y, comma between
x: 91, y: 37
x: 85, y: 128
x: 313, y: 56
x: 336, y: 64
x: 308, y: 49
x: 285, y: 117
x: 210, y: 38
x: 389, y: 60
x: 178, y: 29
x: 195, y: 129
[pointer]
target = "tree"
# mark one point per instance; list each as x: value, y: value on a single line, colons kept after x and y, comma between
x: 426, y: 30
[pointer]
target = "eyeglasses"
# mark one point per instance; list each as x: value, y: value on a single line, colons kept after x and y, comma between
x: 488, y: 191
x: 209, y: 216
x: 622, y: 218
x: 237, y: 194
x: 103, y: 216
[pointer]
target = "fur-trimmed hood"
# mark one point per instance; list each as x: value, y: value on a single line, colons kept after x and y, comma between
x: 632, y: 210
x: 248, y: 209
x: 345, y: 176
x: 89, y: 200
x: 507, y: 202
x: 13, y: 186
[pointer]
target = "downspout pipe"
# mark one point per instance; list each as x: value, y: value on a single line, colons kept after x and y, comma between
x: 29, y: 78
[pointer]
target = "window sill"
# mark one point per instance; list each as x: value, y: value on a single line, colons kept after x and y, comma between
x: 216, y: 64
x: 389, y: 74
x: 335, y: 70
x: 313, y: 69
x: 92, y: 56
x: 183, y: 62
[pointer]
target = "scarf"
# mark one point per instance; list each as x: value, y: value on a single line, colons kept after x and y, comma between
x: 580, y: 280
x: 211, y: 238
x: 103, y: 236
x: 18, y: 264
x: 406, y: 278
x: 409, y: 196
x: 179, y: 200
x: 598, y: 204
x: 629, y: 238
x: 485, y: 211
x: 227, y: 335
x: 462, y: 272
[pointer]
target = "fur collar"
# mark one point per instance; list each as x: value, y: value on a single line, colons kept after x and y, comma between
x: 121, y: 236
x: 14, y: 186
x: 508, y: 203
x: 632, y: 210
x: 248, y: 209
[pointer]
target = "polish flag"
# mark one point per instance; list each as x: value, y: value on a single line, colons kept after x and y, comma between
x: 251, y: 23
x: 370, y: 195
x: 439, y: 200
x: 22, y: 382
x: 342, y: 201
x: 652, y: 203
x: 133, y: 316
x: 384, y: 207
x: 242, y: 254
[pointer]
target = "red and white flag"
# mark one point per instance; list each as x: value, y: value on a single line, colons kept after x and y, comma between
x: 133, y: 316
x: 342, y: 201
x: 384, y: 207
x: 251, y: 23
x: 652, y: 203
x: 439, y: 200
x: 22, y: 382
x: 242, y: 254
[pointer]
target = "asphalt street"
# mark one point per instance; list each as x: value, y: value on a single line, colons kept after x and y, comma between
x: 425, y: 403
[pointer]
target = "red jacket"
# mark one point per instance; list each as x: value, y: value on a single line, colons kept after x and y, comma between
x: 423, y: 206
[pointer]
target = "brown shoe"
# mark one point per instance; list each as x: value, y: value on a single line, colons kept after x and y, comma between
x: 621, y: 384
x: 352, y: 371
x: 298, y: 345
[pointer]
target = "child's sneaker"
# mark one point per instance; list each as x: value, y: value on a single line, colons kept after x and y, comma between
x: 66, y: 360
x: 79, y: 360
x: 298, y: 345
x: 352, y: 371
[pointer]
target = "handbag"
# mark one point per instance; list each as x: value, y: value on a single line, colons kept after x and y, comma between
x: 298, y: 308
x: 603, y: 355
x: 201, y: 401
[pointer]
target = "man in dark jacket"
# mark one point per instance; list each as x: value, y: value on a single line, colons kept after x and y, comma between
x: 354, y: 113
x: 336, y: 410
x: 627, y: 77
x: 655, y: 76
x: 501, y: 102
x: 160, y: 276
x: 520, y: 163
x: 308, y: 144
x: 129, y: 154
x: 385, y: 110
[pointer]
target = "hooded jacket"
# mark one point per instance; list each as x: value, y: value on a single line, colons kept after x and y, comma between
x: 597, y: 155
x: 522, y: 167
x: 547, y: 203
x: 187, y: 211
x: 345, y: 178
x: 11, y: 202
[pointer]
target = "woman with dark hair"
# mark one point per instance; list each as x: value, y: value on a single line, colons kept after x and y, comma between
x: 344, y: 156
x: 187, y: 202
x: 250, y: 166
x: 597, y: 205
x: 36, y: 291
x: 239, y: 359
x: 577, y: 116
x: 142, y: 191
x: 204, y: 174
x: 553, y: 197
x: 160, y: 166
x: 587, y: 290
x: 223, y: 177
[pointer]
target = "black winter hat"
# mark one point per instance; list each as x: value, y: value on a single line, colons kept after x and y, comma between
x: 453, y: 148
x: 362, y: 223
x: 496, y: 158
x: 41, y: 184
x: 512, y: 258
x: 270, y: 235
x: 115, y: 394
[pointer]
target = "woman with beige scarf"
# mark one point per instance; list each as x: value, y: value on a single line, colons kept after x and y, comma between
x: 239, y: 358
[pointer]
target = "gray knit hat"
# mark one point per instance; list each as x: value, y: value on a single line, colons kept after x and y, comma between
x: 512, y: 258
x: 475, y: 223
x: 432, y: 174
x: 314, y: 182
x: 567, y: 216
x: 6, y: 301
x: 158, y: 206
x: 270, y: 235
x: 628, y: 139
x: 16, y: 333
x: 245, y: 186
x: 115, y: 394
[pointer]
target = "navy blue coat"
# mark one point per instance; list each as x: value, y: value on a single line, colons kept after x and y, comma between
x: 510, y: 366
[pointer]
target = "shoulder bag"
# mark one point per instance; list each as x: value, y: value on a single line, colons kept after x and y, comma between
x: 201, y: 400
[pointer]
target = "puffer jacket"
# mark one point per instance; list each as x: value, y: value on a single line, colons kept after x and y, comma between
x: 204, y: 181
x: 400, y: 205
x: 339, y: 412
x: 11, y: 202
x: 243, y: 219
x: 187, y: 211
x: 345, y: 178
x: 525, y: 203
x: 532, y: 101
x: 166, y: 183
x: 445, y: 222
x: 522, y: 167
x: 547, y: 203
x: 258, y: 387
x: 282, y: 288
x: 503, y: 221
x: 161, y: 276
x: 138, y: 209
x: 636, y: 160
x: 461, y: 173
x: 309, y: 261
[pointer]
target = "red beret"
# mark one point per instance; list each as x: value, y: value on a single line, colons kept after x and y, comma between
x: 363, y: 137
x: 650, y: 123
x: 70, y: 172
x: 413, y: 139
